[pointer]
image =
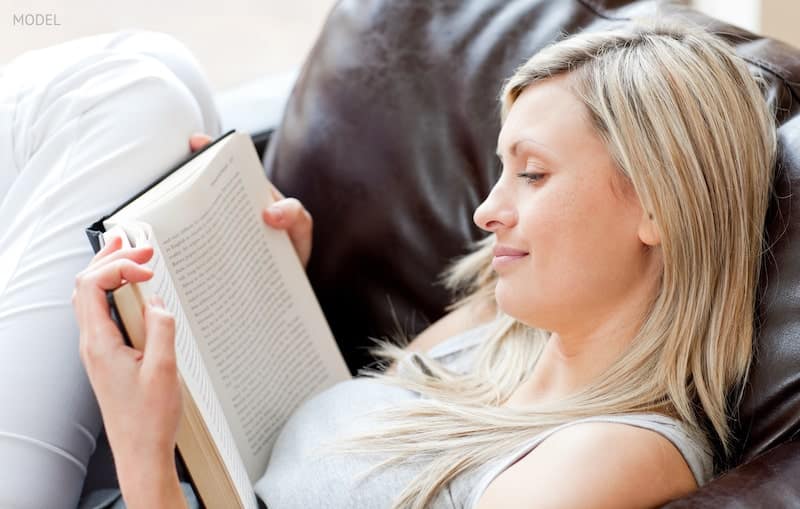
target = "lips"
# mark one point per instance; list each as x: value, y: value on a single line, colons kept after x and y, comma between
x: 508, y: 251
x: 505, y: 256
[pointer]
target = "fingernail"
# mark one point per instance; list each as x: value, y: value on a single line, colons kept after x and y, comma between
x: 156, y: 301
x: 275, y: 212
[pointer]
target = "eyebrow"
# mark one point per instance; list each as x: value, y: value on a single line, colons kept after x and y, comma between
x: 539, y: 149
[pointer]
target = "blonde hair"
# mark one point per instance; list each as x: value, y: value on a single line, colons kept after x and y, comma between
x: 690, y: 130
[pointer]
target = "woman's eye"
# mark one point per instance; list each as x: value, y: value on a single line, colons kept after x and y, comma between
x: 531, y: 177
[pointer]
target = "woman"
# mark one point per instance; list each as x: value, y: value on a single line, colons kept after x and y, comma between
x: 611, y: 304
x: 627, y: 232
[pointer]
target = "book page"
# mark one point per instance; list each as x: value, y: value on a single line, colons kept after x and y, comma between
x: 258, y: 326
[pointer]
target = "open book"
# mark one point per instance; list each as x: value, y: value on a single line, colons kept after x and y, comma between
x: 251, y: 340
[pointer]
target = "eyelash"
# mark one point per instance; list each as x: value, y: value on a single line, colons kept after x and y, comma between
x: 531, y: 177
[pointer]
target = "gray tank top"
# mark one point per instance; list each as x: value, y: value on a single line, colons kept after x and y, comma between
x: 299, y: 477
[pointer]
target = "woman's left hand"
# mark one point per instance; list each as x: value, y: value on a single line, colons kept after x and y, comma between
x: 284, y: 213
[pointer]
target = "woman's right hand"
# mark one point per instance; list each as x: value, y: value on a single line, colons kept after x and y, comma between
x: 284, y: 214
x: 138, y: 391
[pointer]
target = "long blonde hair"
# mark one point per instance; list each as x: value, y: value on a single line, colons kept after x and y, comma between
x: 689, y: 128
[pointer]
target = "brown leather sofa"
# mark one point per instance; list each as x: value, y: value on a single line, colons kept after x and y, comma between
x: 388, y: 138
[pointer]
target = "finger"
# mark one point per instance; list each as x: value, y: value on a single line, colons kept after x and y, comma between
x: 99, y: 334
x: 198, y: 141
x: 138, y: 255
x: 90, y: 296
x: 112, y: 245
x: 159, y: 352
x: 290, y: 215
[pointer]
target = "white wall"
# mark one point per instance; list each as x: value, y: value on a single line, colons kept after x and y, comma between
x: 779, y: 19
x: 235, y: 40
x: 743, y: 13
x: 239, y: 40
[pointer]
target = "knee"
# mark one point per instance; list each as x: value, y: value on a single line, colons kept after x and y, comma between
x: 162, y: 46
x: 146, y: 124
x: 136, y: 103
x: 123, y: 119
x: 106, y: 114
x: 175, y: 56
x: 147, y: 41
x: 144, y: 89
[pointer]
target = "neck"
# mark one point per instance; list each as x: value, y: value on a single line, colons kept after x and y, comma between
x: 573, y: 358
x: 570, y: 363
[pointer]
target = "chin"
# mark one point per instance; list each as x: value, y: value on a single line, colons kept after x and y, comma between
x: 510, y: 300
x: 518, y: 304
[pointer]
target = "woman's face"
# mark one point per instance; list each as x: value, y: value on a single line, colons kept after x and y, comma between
x: 580, y: 232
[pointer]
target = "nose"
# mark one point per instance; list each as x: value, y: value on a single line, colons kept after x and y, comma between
x: 496, y: 212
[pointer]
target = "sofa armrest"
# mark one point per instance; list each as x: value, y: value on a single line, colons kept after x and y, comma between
x: 768, y: 480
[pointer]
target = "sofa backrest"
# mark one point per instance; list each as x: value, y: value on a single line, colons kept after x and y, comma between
x: 389, y: 137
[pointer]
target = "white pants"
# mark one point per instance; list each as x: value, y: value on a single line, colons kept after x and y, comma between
x: 83, y: 126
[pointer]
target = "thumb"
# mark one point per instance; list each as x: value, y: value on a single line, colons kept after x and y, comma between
x: 159, y: 350
x: 198, y: 141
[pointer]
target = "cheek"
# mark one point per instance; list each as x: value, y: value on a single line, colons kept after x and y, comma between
x: 591, y: 235
x: 548, y: 231
x: 554, y: 228
x: 582, y: 248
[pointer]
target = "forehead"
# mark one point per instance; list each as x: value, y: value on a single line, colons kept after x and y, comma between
x: 549, y: 113
x: 548, y: 122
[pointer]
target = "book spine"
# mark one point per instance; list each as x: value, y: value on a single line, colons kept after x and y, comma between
x: 95, y: 235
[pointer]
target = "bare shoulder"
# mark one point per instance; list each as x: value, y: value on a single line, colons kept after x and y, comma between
x: 595, y: 465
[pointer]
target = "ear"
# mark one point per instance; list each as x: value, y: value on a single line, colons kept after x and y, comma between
x: 648, y: 230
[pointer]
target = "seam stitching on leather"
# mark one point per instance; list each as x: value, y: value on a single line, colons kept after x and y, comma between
x: 761, y: 64
x: 600, y: 11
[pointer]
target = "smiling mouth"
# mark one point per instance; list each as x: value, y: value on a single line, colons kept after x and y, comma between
x: 501, y: 261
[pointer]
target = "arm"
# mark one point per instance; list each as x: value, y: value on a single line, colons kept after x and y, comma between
x: 154, y: 485
x: 594, y: 465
